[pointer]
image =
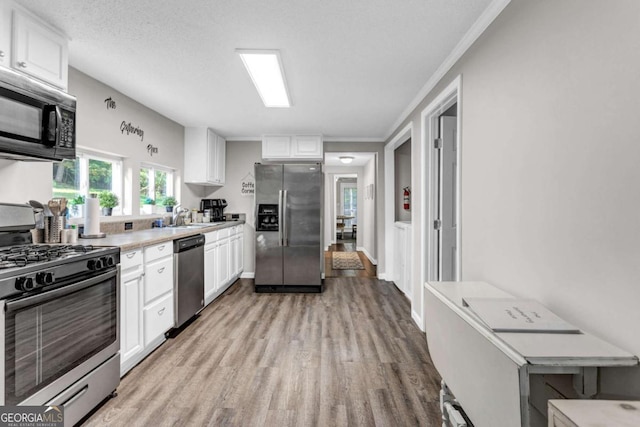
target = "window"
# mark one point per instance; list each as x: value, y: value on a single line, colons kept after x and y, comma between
x: 351, y: 204
x: 156, y: 183
x: 87, y: 174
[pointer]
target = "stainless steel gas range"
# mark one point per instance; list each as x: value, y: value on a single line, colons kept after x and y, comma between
x: 59, y: 319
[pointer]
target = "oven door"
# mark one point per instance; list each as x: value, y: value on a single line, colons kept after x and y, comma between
x: 55, y: 338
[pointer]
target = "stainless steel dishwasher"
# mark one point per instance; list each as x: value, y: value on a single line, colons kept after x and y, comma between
x: 188, y: 277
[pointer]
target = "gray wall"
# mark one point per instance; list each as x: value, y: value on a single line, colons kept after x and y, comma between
x: 402, y: 170
x: 98, y: 128
x: 240, y: 158
x: 549, y: 185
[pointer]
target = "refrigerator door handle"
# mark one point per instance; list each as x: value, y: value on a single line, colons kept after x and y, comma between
x: 280, y: 219
x: 285, y: 233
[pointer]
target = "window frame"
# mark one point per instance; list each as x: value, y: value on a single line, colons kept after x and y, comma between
x: 153, y: 168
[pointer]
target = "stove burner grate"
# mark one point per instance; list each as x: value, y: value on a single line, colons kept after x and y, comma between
x: 19, y: 256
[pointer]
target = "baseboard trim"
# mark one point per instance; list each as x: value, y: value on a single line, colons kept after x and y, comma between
x: 367, y: 254
x: 417, y: 319
x: 248, y: 275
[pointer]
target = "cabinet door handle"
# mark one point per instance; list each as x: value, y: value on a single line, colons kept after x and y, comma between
x: 160, y: 270
x: 160, y: 248
x: 161, y: 311
x: 1, y: 53
x: 22, y: 64
x: 131, y: 255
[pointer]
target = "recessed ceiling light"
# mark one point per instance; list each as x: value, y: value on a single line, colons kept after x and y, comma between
x: 346, y: 159
x: 266, y: 72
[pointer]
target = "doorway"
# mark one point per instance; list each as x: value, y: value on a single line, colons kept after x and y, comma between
x: 440, y: 174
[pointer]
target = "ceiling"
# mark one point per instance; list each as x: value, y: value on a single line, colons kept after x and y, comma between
x: 352, y: 67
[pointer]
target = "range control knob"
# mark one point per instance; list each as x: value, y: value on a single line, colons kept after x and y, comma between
x: 43, y: 279
x: 107, y: 261
x: 24, y: 283
x: 95, y: 264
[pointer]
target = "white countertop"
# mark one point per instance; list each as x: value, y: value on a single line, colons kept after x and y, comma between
x: 138, y: 239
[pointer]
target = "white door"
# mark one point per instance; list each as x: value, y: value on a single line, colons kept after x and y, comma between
x: 209, y: 270
x: 447, y: 200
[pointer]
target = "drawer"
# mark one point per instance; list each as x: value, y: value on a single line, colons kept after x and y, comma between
x: 154, y: 252
x: 158, y: 278
x: 211, y: 237
x: 225, y: 232
x: 131, y: 259
x: 158, y: 318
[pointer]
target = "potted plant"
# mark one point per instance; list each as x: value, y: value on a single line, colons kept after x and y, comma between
x: 108, y: 201
x: 169, y: 202
x: 77, y: 206
x: 147, y: 206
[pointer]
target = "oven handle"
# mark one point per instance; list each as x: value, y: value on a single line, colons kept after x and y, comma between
x: 59, y: 292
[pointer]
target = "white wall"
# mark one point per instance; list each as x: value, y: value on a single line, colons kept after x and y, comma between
x: 549, y: 194
x: 240, y: 159
x: 368, y: 229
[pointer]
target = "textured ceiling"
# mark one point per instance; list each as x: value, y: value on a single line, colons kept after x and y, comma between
x: 352, y: 66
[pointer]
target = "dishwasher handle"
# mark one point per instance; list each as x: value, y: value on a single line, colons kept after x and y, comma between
x: 187, y: 243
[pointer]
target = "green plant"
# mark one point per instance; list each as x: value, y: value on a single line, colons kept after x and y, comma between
x: 149, y: 201
x: 108, y: 199
x: 168, y: 201
x: 78, y: 200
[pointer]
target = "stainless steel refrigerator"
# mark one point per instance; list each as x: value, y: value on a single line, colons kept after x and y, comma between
x: 289, y: 256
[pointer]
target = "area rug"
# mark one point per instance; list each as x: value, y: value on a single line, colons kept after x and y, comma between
x: 346, y: 261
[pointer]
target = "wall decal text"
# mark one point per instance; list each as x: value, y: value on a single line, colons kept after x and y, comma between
x: 152, y: 150
x: 111, y: 104
x: 130, y: 129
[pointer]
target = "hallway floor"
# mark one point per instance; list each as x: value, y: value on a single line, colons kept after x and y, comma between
x: 369, y: 271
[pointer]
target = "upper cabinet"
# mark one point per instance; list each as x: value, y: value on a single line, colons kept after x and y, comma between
x: 204, y: 157
x: 39, y: 51
x: 5, y: 33
x: 292, y: 147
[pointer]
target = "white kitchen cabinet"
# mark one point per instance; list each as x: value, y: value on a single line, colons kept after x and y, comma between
x: 292, y: 147
x: 131, y: 332
x: 210, y: 285
x: 223, y: 275
x: 158, y: 318
x: 5, y: 34
x: 236, y: 252
x: 402, y: 257
x: 204, y: 157
x: 146, y: 303
x: 158, y: 278
x: 39, y: 50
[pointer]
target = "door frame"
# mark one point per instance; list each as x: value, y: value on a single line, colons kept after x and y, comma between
x: 334, y: 226
x: 390, y: 198
x: 452, y: 94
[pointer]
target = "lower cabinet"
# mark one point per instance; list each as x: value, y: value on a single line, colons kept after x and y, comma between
x: 131, y: 338
x: 223, y: 260
x: 158, y: 318
x: 146, y: 305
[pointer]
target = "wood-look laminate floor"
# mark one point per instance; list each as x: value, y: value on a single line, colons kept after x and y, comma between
x: 370, y: 270
x: 350, y: 356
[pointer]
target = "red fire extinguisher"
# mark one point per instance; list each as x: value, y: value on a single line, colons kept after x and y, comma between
x: 406, y: 196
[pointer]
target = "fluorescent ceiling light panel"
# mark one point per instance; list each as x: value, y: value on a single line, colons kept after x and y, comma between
x: 266, y: 72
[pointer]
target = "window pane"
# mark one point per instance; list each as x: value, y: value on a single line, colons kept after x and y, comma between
x: 161, y: 185
x: 66, y: 178
x: 144, y: 185
x: 100, y: 176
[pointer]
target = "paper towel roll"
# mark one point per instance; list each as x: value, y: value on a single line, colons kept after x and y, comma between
x: 92, y: 217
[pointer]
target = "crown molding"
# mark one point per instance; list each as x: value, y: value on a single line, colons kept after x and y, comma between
x: 476, y: 30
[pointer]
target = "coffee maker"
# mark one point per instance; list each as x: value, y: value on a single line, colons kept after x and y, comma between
x: 214, y: 208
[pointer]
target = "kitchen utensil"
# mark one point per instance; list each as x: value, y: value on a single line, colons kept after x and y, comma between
x: 44, y: 208
x: 54, y: 207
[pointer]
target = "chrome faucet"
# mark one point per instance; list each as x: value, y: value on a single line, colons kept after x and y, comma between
x: 178, y: 215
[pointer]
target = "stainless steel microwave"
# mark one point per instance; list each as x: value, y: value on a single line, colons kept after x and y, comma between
x: 37, y: 121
